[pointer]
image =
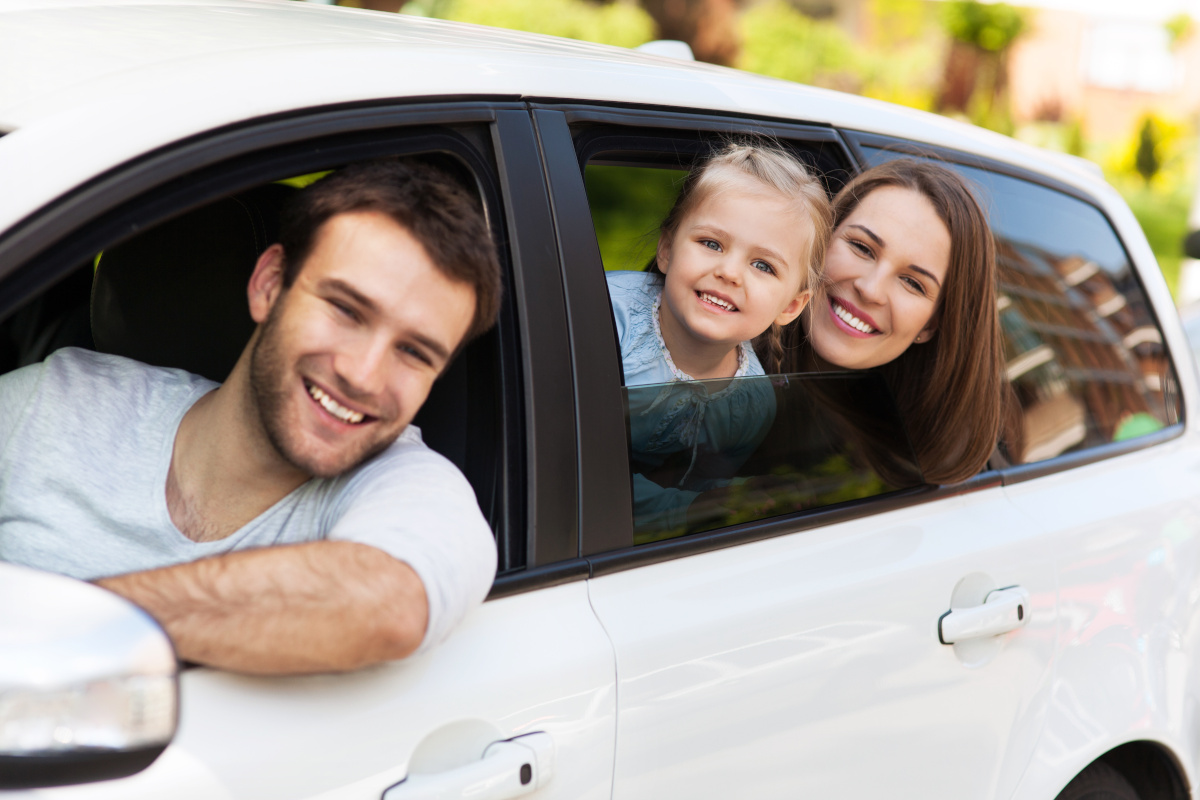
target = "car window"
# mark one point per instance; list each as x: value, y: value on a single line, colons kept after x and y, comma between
x: 1083, y: 351
x: 705, y: 455
x: 174, y: 295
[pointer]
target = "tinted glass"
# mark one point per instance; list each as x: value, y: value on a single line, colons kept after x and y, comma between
x: 1084, y: 353
x: 707, y: 454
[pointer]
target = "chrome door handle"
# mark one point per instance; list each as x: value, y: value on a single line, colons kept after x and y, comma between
x: 510, y: 768
x: 1003, y: 610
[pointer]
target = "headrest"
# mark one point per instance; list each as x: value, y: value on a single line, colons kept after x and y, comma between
x: 175, y: 296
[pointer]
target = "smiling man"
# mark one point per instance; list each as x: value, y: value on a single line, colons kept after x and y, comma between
x: 176, y: 492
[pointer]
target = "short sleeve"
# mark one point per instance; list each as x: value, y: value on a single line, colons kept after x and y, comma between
x: 17, y: 389
x: 415, y: 505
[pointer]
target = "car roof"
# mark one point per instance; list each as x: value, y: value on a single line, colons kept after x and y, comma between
x: 123, y: 77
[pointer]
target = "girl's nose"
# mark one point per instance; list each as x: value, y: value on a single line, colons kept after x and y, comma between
x: 729, y: 270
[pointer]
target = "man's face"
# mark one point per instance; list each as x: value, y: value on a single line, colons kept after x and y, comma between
x: 346, y: 356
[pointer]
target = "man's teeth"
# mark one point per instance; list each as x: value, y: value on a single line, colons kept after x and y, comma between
x: 334, y: 407
x: 851, y: 320
x: 716, y: 301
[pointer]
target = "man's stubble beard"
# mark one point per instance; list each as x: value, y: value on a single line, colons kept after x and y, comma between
x: 270, y: 381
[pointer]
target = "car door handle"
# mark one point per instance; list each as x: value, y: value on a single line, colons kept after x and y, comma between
x: 1003, y: 610
x: 511, y: 768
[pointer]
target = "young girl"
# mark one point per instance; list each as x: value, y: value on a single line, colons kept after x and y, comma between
x: 738, y: 258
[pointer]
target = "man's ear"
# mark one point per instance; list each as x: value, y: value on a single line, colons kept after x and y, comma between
x: 266, y: 283
x: 793, y: 309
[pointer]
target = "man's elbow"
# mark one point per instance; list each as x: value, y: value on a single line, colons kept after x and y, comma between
x: 399, y: 608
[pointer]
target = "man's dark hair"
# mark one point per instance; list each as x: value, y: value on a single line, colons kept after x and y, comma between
x: 445, y: 217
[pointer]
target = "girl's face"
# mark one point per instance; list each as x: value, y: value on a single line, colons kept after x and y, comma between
x: 884, y: 272
x: 734, y: 266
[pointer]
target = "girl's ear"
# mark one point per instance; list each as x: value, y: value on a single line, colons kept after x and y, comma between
x: 266, y: 282
x: 793, y: 309
x: 662, y: 255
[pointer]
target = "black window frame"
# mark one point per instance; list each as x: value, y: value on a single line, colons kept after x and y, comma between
x: 494, y: 139
x: 1017, y: 473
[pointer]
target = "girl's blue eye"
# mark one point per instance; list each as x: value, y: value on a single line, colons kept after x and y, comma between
x: 763, y: 266
x: 710, y: 244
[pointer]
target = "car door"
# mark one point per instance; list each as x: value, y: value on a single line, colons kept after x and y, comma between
x: 1105, y: 472
x: 791, y: 655
x: 533, y: 660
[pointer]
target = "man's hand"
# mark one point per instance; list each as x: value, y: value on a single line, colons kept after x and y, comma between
x: 315, y: 607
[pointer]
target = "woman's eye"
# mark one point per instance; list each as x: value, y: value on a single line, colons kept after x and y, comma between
x: 914, y: 284
x: 859, y: 247
x: 763, y: 266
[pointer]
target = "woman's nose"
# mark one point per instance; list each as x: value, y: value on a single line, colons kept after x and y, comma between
x: 870, y: 286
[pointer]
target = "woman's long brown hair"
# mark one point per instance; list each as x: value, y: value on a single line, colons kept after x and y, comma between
x: 950, y: 391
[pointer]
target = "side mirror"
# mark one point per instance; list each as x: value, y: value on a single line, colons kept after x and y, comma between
x: 1191, y: 245
x: 89, y: 683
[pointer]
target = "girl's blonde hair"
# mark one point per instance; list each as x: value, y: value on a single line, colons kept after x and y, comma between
x: 775, y: 168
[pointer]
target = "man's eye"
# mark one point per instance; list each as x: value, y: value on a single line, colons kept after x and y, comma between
x: 416, y: 353
x: 763, y: 266
x: 344, y: 309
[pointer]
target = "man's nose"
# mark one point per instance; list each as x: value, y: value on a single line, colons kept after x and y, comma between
x: 362, y: 366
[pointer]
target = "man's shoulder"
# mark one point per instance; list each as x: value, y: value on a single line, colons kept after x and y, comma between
x: 75, y: 369
x: 408, y: 453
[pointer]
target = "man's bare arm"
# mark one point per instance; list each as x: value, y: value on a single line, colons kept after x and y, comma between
x: 315, y: 607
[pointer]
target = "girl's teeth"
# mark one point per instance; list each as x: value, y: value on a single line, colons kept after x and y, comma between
x: 708, y: 298
x: 334, y: 407
x: 851, y: 320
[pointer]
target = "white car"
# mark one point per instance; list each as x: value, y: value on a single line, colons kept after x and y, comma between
x: 796, y: 655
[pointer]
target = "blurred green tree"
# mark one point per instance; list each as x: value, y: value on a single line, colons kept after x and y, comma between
x: 1147, y: 160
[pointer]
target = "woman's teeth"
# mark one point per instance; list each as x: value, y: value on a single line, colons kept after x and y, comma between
x: 716, y: 301
x: 334, y: 407
x: 851, y: 320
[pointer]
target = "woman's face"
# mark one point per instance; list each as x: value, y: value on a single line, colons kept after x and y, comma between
x: 884, y: 272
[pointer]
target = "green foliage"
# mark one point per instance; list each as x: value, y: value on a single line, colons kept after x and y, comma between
x: 1147, y: 160
x: 624, y: 24
x: 992, y: 27
x: 628, y: 204
x: 780, y: 41
x: 1179, y: 28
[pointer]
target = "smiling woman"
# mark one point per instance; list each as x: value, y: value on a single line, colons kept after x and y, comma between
x: 910, y: 287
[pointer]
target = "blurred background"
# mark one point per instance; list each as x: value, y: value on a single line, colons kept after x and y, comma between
x: 1113, y: 81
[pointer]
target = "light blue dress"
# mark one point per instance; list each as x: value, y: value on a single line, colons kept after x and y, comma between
x: 708, y: 433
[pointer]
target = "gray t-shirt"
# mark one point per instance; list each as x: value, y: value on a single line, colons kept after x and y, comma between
x: 85, y: 444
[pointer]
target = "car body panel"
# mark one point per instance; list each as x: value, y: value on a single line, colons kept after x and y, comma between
x: 784, y: 667
x: 537, y: 661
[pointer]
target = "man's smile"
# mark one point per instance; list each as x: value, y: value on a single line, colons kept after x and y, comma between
x: 335, y: 409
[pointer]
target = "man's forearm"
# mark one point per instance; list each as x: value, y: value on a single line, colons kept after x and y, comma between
x: 316, y: 607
